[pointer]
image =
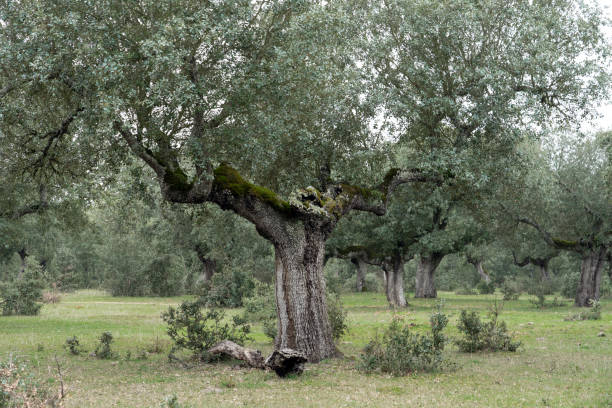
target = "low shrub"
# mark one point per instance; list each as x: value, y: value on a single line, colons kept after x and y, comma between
x: 21, y: 296
x: 400, y: 351
x: 193, y: 330
x: 19, y: 388
x: 51, y: 297
x: 569, y: 284
x: 594, y: 313
x: 510, y: 291
x: 337, y: 316
x: 478, y: 335
x: 73, y: 346
x: 103, y: 349
x: 485, y: 288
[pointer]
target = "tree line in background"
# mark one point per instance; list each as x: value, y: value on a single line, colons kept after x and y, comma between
x: 416, y: 138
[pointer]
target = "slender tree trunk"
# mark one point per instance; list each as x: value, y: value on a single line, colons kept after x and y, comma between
x: 480, y: 269
x: 389, y: 278
x: 361, y: 272
x: 209, y: 266
x: 23, y: 255
x: 303, y: 323
x: 425, y: 286
x: 590, y: 277
x: 544, y: 274
x: 399, y: 300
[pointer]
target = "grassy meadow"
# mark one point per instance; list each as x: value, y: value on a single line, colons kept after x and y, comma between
x: 560, y: 364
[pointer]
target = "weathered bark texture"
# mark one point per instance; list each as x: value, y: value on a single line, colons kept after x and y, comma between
x: 361, y: 272
x: 303, y: 322
x: 394, y: 282
x: 425, y: 285
x: 283, y: 362
x: 590, y: 277
x: 253, y: 358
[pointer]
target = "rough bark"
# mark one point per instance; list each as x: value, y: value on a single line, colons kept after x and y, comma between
x: 361, y: 272
x: 425, y: 285
x: 303, y: 322
x: 394, y: 282
x: 283, y: 362
x: 286, y: 361
x: 591, y: 270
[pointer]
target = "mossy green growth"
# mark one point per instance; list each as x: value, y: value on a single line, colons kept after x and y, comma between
x: 228, y: 178
x: 366, y: 193
x: 391, y: 174
x: 563, y: 244
x: 177, y: 180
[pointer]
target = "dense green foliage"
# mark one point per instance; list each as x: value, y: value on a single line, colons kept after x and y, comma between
x: 400, y: 351
x: 191, y: 329
x: 479, y: 335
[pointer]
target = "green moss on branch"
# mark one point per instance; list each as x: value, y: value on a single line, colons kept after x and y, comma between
x: 563, y: 244
x: 228, y: 178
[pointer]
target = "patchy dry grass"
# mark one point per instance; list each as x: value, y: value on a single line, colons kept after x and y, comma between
x: 561, y: 364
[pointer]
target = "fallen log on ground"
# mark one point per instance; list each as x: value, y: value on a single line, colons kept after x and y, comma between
x: 283, y: 362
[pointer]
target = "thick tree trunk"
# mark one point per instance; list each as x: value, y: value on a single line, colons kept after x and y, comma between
x: 303, y: 323
x: 361, y: 272
x: 425, y: 286
x: 590, y: 277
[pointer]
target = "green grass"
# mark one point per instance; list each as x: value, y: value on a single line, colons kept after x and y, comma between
x: 561, y: 364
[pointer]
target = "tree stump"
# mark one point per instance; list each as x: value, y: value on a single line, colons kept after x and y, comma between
x: 286, y: 361
x: 283, y: 362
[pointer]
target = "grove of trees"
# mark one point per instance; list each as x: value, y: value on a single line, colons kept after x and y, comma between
x: 378, y: 132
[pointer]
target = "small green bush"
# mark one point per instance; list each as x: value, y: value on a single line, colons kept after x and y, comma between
x: 21, y: 296
x: 478, y: 335
x: 337, y: 316
x: 569, y: 284
x: 400, y: 351
x: 73, y: 346
x: 103, y: 349
x: 485, y: 288
x: 465, y: 291
x: 594, y: 313
x: 510, y: 291
x: 192, y: 330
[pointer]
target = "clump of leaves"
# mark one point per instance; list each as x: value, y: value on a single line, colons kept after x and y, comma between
x: 21, y: 296
x: 73, y: 346
x: 594, y: 313
x: 510, y: 291
x: 19, y: 388
x: 478, y: 335
x: 193, y: 330
x: 401, y: 351
x: 103, y: 349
